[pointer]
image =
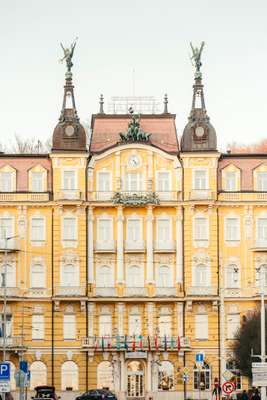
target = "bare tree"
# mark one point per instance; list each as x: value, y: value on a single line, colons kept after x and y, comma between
x: 28, y: 146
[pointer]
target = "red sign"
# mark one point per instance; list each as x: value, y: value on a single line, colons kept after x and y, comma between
x: 228, y: 387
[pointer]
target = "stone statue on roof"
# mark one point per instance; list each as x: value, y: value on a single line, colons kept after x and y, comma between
x: 68, y: 54
x: 196, y: 58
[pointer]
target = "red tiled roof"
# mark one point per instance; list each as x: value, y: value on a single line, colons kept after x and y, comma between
x: 106, y: 129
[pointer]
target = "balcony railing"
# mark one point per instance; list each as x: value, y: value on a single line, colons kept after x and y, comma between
x: 11, y: 292
x: 70, y: 291
x: 138, y: 197
x: 11, y: 342
x: 68, y: 195
x: 131, y: 343
x: 137, y: 245
x: 105, y: 246
x: 25, y: 196
x: 135, y: 292
x: 38, y: 292
x: 105, y: 291
x: 202, y: 194
x: 201, y: 291
x: 164, y: 246
x: 242, y: 196
x: 166, y: 291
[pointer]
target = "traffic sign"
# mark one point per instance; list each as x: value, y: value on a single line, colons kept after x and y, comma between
x: 185, y: 377
x: 228, y: 387
x: 259, y: 378
x: 5, y: 371
x: 228, y: 375
x: 23, y: 365
x: 5, y: 386
x: 186, y: 370
x: 200, y: 358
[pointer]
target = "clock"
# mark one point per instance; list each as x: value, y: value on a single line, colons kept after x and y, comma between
x: 199, y: 131
x: 134, y: 161
x: 69, y: 130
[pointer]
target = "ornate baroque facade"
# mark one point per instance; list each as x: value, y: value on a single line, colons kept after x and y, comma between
x: 127, y: 259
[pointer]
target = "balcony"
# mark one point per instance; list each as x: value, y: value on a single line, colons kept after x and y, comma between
x: 38, y: 292
x: 105, y: 291
x: 11, y: 245
x: 107, y: 246
x: 201, y: 291
x: 135, y: 292
x: 242, y: 196
x: 11, y: 292
x: 11, y: 342
x: 25, y: 196
x: 164, y: 246
x: 70, y: 291
x: 166, y: 292
x: 68, y: 195
x: 135, y: 199
x: 169, y: 195
x: 202, y: 194
x: 134, y: 246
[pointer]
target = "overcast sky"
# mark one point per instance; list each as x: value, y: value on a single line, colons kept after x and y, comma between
x: 151, y: 36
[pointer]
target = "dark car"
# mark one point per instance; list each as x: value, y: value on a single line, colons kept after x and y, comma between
x: 97, y: 394
x: 45, y: 392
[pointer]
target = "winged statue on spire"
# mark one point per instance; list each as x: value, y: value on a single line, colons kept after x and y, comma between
x: 68, y: 54
x: 196, y: 58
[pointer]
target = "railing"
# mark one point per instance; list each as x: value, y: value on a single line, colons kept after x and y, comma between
x: 14, y: 341
x: 242, y: 196
x: 131, y: 245
x: 70, y: 291
x: 38, y: 292
x: 166, y: 291
x: 137, y: 342
x: 105, y: 291
x: 25, y: 196
x: 164, y: 245
x: 11, y: 292
x: 138, y: 196
x: 169, y: 195
x: 105, y: 246
x: 201, y: 194
x: 68, y: 195
x: 201, y: 291
x: 11, y: 244
x: 135, y: 292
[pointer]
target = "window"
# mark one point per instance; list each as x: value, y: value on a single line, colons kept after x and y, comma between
x: 105, y: 232
x: 6, y: 230
x: 262, y: 181
x: 105, y: 325
x: 230, y: 181
x: 201, y: 276
x: 164, y: 277
x: 135, y: 276
x: 69, y: 326
x: 165, y: 376
x: 163, y: 181
x: 38, y: 276
x: 69, y: 229
x: 105, y: 375
x: 104, y: 182
x: 6, y: 181
x: 200, y: 180
x: 69, y: 180
x: 202, y: 378
x: 37, y: 229
x: 231, y: 366
x: 163, y: 230
x: 37, y: 327
x: 135, y: 325
x: 232, y: 229
x: 37, y: 181
x: 8, y: 325
x: 165, y: 325
x: 69, y: 275
x: 201, y: 326
x: 232, y: 276
x: 233, y: 324
x: 10, y: 276
x: 261, y: 274
x: 69, y: 376
x: 201, y: 228
x: 262, y: 230
x: 38, y: 374
x: 132, y: 182
x: 104, y: 276
x: 133, y: 230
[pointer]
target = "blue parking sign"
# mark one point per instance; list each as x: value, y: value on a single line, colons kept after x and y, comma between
x: 199, y: 358
x: 4, y: 371
x: 23, y: 366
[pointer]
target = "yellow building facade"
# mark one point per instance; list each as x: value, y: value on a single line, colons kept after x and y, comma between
x: 125, y: 260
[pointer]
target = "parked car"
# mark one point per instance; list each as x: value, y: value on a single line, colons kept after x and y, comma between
x: 97, y: 394
x: 45, y: 392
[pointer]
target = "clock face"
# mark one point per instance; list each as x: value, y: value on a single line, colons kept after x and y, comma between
x: 69, y: 130
x: 199, y: 131
x: 134, y: 161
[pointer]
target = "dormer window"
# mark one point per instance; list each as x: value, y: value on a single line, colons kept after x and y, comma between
x: 37, y: 181
x: 6, y: 182
x: 262, y: 181
x: 230, y: 181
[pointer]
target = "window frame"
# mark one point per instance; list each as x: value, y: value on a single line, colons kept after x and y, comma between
x: 74, y: 230
x: 227, y: 229
x: 38, y: 334
x: 168, y: 180
x: 200, y: 330
x: 205, y: 171
x: 72, y: 333
x: 197, y: 230
x: 43, y: 235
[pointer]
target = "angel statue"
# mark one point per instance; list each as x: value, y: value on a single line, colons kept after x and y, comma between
x: 196, y: 57
x: 68, y: 54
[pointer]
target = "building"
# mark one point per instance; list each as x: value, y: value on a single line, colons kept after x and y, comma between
x: 126, y: 259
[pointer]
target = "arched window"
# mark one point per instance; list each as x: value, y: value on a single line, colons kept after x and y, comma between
x: 165, y: 376
x: 10, y: 275
x: 202, y: 377
x: 38, y: 374
x: 104, y: 276
x: 69, y: 376
x: 164, y: 277
x: 261, y: 273
x: 105, y: 376
x: 12, y: 376
x: 135, y: 276
x: 69, y: 275
x: 232, y: 276
x: 38, y: 276
x: 201, y: 275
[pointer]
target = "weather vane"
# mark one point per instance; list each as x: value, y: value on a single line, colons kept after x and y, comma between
x: 196, y: 59
x: 68, y: 54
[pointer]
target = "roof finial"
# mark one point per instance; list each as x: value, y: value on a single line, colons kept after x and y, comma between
x: 196, y: 59
x: 165, y: 102
x: 101, y: 103
x: 68, y: 54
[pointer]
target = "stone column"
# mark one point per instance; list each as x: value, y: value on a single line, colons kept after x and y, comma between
x: 90, y: 246
x: 149, y: 373
x: 180, y: 319
x: 120, y: 311
x: 123, y: 373
x: 91, y: 309
x: 150, y: 315
x: 179, y: 246
x: 149, y: 244
x: 120, y: 274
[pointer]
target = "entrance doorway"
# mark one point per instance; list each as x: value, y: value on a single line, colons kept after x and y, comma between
x: 135, y: 379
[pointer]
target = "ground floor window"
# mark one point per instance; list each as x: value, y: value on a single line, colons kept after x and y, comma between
x: 165, y: 376
x: 69, y: 376
x: 202, y: 377
x: 38, y: 374
x: 105, y: 376
x: 135, y: 379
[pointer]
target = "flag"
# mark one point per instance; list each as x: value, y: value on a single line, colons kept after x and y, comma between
x: 148, y: 343
x: 165, y: 343
x: 103, y: 344
x: 140, y: 342
x: 109, y: 343
x: 118, y: 342
x: 156, y: 343
x: 178, y: 344
x: 134, y: 344
x: 95, y: 345
x: 172, y: 343
x: 125, y: 343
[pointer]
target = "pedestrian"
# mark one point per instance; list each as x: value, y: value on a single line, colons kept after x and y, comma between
x: 256, y: 395
x: 244, y: 395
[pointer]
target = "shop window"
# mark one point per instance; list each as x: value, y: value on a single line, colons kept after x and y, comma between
x: 166, y: 376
